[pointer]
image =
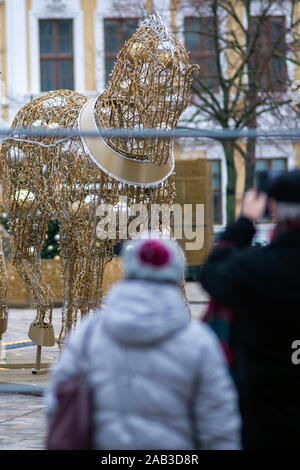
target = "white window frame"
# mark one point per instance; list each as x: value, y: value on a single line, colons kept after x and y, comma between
x: 214, y: 151
x: 78, y: 47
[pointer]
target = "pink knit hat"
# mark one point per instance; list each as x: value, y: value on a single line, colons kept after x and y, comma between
x: 153, y: 259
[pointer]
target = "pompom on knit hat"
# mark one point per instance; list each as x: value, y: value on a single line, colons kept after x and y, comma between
x: 153, y: 259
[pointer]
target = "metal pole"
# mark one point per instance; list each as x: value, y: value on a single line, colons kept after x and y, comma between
x: 2, y: 351
x: 37, y: 369
x: 38, y: 357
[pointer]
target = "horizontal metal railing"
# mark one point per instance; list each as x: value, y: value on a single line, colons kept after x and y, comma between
x: 22, y: 389
x: 217, y: 134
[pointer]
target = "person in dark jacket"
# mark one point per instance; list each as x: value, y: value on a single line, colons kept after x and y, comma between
x: 261, y: 287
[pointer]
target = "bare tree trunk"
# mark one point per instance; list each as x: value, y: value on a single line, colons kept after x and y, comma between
x: 228, y: 147
x: 250, y: 164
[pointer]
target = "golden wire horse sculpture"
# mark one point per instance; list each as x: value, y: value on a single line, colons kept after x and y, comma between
x: 67, y: 179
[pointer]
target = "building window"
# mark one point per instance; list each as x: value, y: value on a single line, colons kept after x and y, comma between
x: 270, y: 164
x: 116, y: 32
x: 267, y: 66
x: 217, y: 190
x: 274, y: 164
x: 200, y: 43
x: 56, y: 54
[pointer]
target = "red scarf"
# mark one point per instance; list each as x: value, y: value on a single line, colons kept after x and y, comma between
x: 285, y: 226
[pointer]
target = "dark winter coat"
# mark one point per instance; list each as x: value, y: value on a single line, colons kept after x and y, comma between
x: 261, y: 286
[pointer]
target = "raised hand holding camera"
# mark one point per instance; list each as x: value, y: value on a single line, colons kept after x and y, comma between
x: 254, y: 204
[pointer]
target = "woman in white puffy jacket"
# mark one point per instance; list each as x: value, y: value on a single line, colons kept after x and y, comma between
x: 158, y: 379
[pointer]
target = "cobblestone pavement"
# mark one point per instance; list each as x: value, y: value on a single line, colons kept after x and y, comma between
x: 22, y: 417
x: 22, y: 422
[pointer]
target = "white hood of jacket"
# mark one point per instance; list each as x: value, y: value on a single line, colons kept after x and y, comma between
x: 140, y: 312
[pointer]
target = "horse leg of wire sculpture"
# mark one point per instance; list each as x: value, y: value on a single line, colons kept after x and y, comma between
x: 28, y: 228
x: 82, y: 270
x: 3, y: 300
x: 93, y: 271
